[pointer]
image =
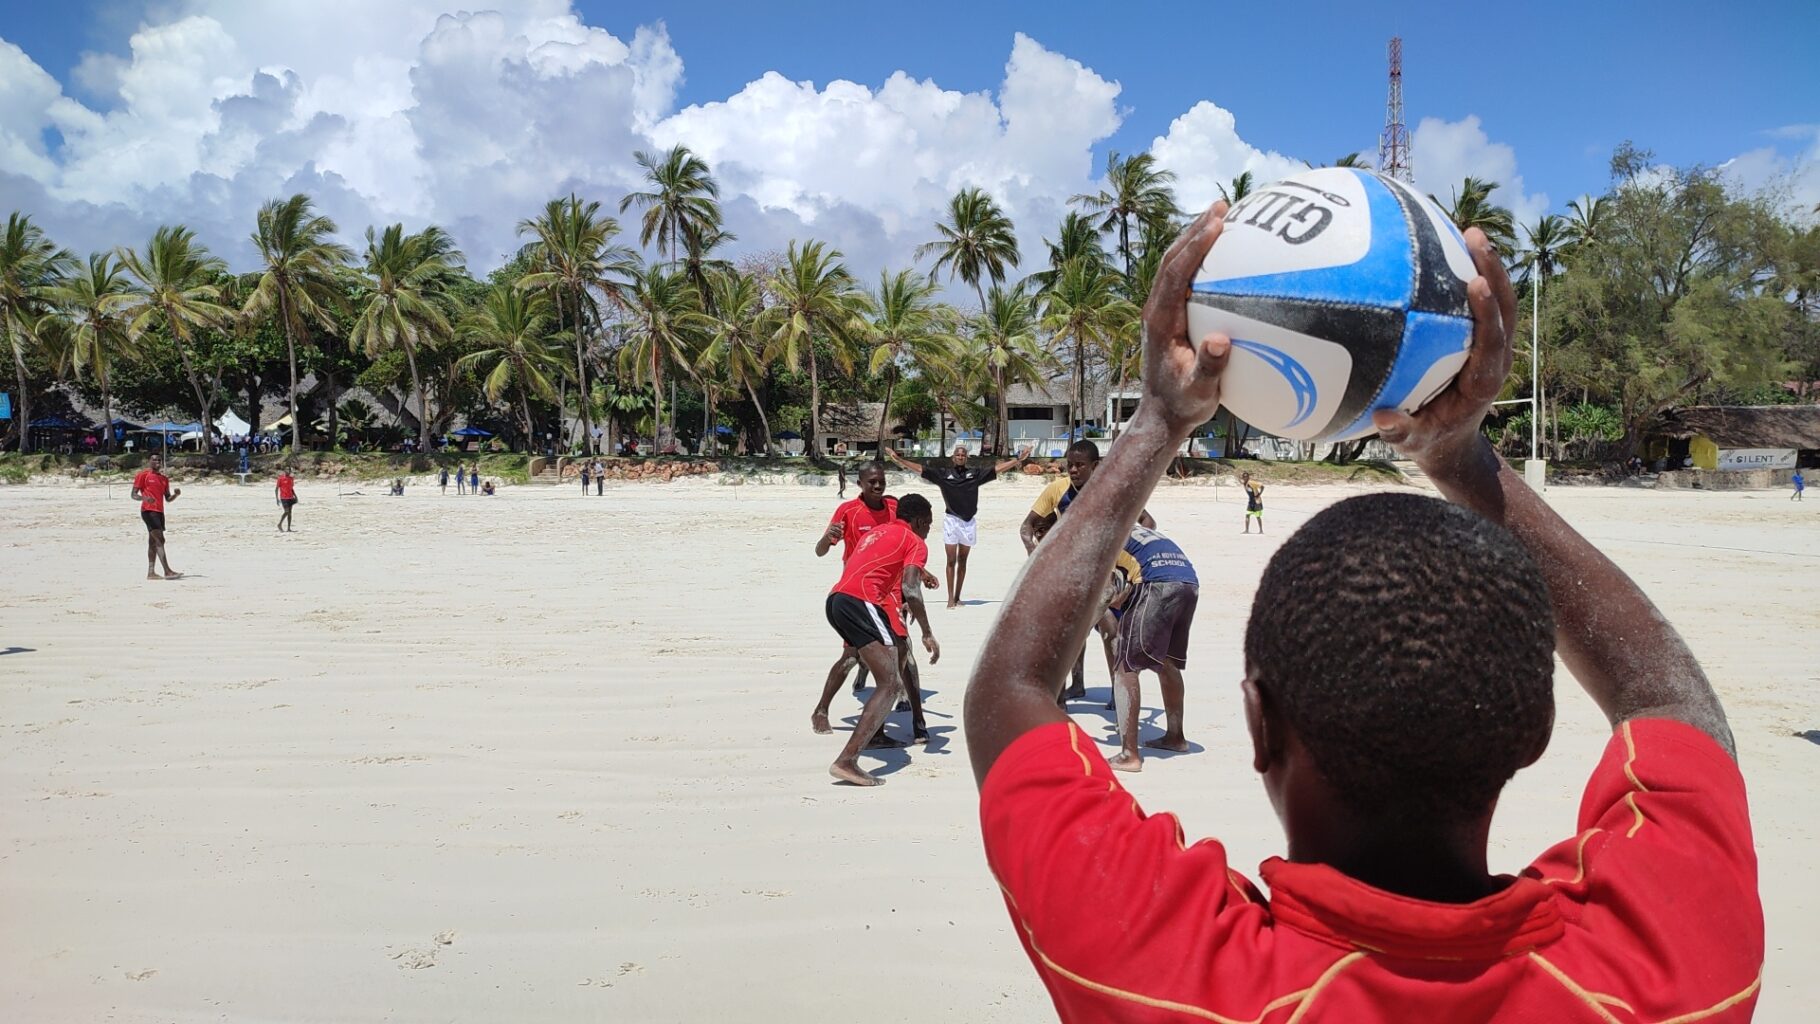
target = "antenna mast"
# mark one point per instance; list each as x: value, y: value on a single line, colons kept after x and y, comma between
x: 1393, y: 143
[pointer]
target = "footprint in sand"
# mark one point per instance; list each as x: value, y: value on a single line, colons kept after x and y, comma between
x: 141, y: 975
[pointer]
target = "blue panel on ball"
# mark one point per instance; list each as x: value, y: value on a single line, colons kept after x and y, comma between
x: 1384, y: 276
x: 1427, y: 339
x: 1301, y: 382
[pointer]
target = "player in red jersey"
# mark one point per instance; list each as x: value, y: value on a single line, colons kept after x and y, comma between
x: 1398, y: 671
x: 286, y: 492
x: 890, y: 557
x: 847, y: 527
x: 151, y: 489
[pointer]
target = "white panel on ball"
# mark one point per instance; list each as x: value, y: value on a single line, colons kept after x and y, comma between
x: 1344, y: 240
x: 1263, y: 395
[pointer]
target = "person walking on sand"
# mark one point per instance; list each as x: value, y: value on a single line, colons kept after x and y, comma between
x: 445, y: 480
x: 461, y: 479
x: 960, y: 486
x: 286, y: 492
x: 585, y: 471
x: 151, y: 489
x: 886, y: 560
x: 600, y: 478
x: 1800, y: 485
x: 474, y: 479
x: 1254, y: 503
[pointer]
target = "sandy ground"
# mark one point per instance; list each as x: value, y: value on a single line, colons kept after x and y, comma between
x: 542, y: 757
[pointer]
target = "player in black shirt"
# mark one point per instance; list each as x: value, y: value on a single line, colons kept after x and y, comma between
x: 960, y: 486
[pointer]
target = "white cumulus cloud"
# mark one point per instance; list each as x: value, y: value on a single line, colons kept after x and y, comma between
x: 1444, y: 153
x: 1205, y: 151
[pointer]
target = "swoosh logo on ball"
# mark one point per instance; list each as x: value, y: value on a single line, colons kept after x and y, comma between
x: 1301, y: 382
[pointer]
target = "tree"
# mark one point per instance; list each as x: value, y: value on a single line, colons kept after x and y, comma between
x: 1085, y: 309
x: 509, y: 325
x: 179, y: 293
x: 1354, y: 159
x: 735, y: 346
x: 907, y: 326
x: 1135, y: 187
x: 815, y: 300
x: 405, y: 281
x: 700, y: 262
x: 1242, y: 186
x: 665, y: 321
x: 1472, y: 208
x: 574, y: 254
x: 301, y: 277
x: 976, y: 241
x: 1076, y: 238
x: 91, y: 303
x: 1671, y: 304
x: 30, y: 267
x: 683, y: 200
x: 1005, y: 342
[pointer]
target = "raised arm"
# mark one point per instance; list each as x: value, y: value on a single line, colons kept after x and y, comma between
x: 1613, y: 639
x: 830, y: 537
x: 914, y: 467
x: 1058, y: 597
x: 1011, y: 463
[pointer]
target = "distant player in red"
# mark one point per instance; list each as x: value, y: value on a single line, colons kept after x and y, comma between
x: 151, y: 489
x: 891, y: 556
x: 1399, y: 670
x: 286, y: 491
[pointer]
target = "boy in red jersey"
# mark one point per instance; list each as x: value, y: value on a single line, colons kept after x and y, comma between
x: 286, y: 491
x: 851, y: 521
x: 1386, y: 714
x: 151, y: 489
x: 891, y: 556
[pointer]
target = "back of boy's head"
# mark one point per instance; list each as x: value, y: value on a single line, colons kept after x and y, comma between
x: 915, y: 508
x: 1410, y: 645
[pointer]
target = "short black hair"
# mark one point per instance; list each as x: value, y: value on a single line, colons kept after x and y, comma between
x: 1086, y: 448
x: 1410, y: 644
x: 914, y: 506
x: 866, y: 467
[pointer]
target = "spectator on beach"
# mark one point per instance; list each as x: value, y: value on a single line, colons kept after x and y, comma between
x: 488, y: 488
x: 286, y: 492
x: 474, y: 478
x: 445, y: 480
x: 600, y: 478
x: 1800, y: 483
x: 585, y: 477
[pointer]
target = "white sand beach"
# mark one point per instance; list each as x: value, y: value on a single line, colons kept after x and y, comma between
x: 543, y: 757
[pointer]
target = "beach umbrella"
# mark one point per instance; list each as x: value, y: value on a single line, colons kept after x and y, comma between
x: 787, y: 435
x: 472, y: 432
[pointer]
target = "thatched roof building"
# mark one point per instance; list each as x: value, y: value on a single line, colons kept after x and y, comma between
x: 1746, y: 426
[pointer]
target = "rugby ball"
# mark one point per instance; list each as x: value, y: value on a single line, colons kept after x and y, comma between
x: 1344, y: 292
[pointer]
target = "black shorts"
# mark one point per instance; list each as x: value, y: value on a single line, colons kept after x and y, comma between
x: 1154, y: 628
x: 153, y: 520
x: 287, y: 502
x: 858, y: 622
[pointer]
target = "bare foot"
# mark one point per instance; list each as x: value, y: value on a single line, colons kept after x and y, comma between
x: 882, y: 740
x: 902, y: 705
x: 1075, y: 692
x: 847, y: 771
x: 1124, y: 762
x: 151, y: 575
x: 1179, y: 744
x: 919, y: 735
x: 172, y: 575
x: 954, y: 604
x: 819, y: 722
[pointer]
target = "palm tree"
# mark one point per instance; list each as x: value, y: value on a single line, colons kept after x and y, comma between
x: 1472, y: 208
x: 976, y: 241
x: 98, y: 335
x: 814, y: 298
x: 510, y: 324
x: 1077, y: 237
x: 1354, y: 159
x: 684, y: 200
x: 1085, y: 308
x: 30, y: 266
x: 907, y: 326
x: 700, y: 263
x: 1135, y: 187
x: 735, y: 347
x: 665, y: 323
x: 1548, y: 245
x: 300, y: 280
x: 406, y: 278
x: 574, y: 255
x: 1005, y: 343
x: 1242, y: 186
x: 1584, y: 222
x: 179, y: 291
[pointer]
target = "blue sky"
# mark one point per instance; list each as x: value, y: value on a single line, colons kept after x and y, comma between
x: 1553, y: 88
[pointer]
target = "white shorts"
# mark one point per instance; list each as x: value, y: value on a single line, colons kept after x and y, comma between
x: 956, y: 530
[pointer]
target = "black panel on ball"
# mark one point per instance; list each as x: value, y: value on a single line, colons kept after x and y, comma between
x: 1438, y: 289
x: 1372, y: 334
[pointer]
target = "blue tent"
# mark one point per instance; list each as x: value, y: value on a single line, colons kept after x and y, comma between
x: 472, y: 432
x: 54, y: 423
x: 723, y: 431
x: 787, y: 435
